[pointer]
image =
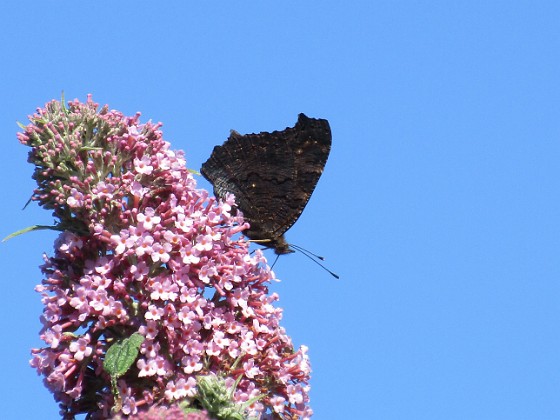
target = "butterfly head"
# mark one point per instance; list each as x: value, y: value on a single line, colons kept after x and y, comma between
x: 280, y: 246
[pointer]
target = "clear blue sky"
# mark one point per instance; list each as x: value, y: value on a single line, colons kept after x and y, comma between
x: 439, y: 206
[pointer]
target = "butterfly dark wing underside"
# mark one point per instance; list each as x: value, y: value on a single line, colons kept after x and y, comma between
x: 272, y: 176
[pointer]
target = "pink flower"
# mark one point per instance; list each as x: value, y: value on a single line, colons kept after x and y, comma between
x: 139, y: 271
x: 233, y: 350
x: 143, y: 166
x: 150, y: 330
x: 101, y: 303
x: 278, y: 403
x: 147, y: 368
x: 183, y: 388
x: 204, y: 243
x: 191, y: 364
x: 184, y: 223
x: 103, y: 191
x: 220, y: 340
x: 148, y: 219
x: 295, y: 394
x: 146, y: 251
x: 75, y: 199
x: 160, y: 252
x: 153, y: 313
x: 145, y: 246
x: 250, y: 369
x: 80, y: 348
x: 80, y: 300
x: 121, y: 242
x: 53, y: 336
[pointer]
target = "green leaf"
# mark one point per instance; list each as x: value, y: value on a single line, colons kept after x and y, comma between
x: 30, y: 229
x: 121, y: 355
x: 88, y: 148
x: 63, y: 104
x: 217, y: 399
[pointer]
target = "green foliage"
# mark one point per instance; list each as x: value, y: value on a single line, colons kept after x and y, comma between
x: 31, y: 229
x: 119, y: 358
x: 122, y: 354
x: 217, y: 399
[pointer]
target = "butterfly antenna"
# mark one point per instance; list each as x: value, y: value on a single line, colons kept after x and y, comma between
x: 274, y: 263
x: 306, y: 251
x: 310, y: 255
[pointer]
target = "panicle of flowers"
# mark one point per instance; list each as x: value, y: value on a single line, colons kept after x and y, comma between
x: 143, y: 251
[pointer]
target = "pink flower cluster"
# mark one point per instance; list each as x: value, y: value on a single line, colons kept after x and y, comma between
x: 142, y: 250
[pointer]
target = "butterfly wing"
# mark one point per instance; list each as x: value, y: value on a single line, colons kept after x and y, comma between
x: 272, y: 175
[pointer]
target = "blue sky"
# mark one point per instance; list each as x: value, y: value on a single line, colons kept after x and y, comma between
x: 439, y: 206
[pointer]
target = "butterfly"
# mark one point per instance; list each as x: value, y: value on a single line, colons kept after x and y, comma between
x: 272, y: 176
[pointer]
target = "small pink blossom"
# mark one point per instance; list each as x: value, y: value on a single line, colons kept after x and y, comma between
x: 190, y: 255
x: 220, y: 340
x: 80, y: 348
x: 120, y: 241
x: 183, y: 388
x: 145, y: 246
x: 160, y: 252
x: 53, y: 336
x: 191, y: 364
x: 137, y: 190
x: 148, y: 219
x: 147, y: 368
x: 80, y: 300
x: 150, y: 330
x: 104, y: 265
x: 278, y: 403
x: 101, y: 302
x: 76, y: 199
x: 250, y: 369
x: 139, y: 271
x: 204, y: 243
x: 295, y: 394
x: 184, y: 223
x: 153, y: 313
x: 103, y: 191
x: 143, y: 166
x: 68, y: 243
